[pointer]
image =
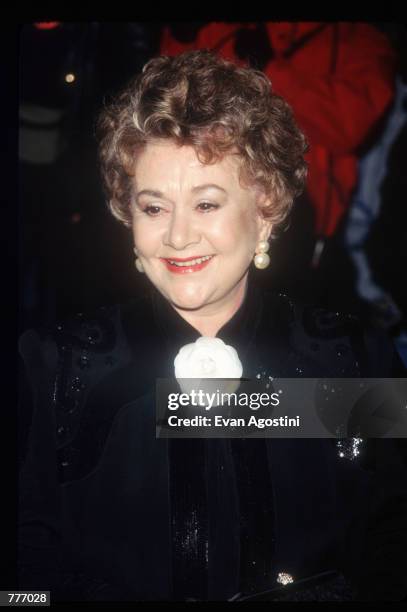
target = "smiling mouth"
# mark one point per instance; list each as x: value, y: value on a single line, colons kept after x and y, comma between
x: 187, y: 265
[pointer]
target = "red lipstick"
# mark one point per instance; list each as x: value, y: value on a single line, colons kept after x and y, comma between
x: 185, y: 269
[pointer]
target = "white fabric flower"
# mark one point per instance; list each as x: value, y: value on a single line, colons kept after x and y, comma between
x: 208, y: 358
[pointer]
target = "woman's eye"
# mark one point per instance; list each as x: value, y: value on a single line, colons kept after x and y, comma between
x: 207, y: 206
x: 152, y: 211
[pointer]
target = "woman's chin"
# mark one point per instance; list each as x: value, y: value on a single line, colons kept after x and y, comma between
x: 188, y: 301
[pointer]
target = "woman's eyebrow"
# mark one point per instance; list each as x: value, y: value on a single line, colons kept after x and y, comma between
x: 151, y: 192
x: 208, y: 186
x: 159, y: 194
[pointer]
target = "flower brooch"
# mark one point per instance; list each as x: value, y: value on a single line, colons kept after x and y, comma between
x: 208, y: 358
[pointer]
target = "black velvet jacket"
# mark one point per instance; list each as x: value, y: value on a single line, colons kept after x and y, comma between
x: 107, y: 511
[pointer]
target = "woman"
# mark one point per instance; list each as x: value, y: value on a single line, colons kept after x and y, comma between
x: 202, y: 161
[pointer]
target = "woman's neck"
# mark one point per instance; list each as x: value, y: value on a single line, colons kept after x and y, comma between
x: 210, y: 322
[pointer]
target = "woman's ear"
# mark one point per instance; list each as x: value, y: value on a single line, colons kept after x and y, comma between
x: 264, y: 224
x: 265, y: 229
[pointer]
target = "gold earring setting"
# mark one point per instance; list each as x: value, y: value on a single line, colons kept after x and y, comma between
x: 261, y: 259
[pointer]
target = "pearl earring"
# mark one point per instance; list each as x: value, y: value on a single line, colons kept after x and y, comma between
x: 262, y: 260
x: 138, y: 263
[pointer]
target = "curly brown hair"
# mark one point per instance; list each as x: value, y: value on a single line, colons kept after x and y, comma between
x: 202, y: 100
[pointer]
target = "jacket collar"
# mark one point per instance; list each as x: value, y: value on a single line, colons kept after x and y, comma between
x: 239, y: 332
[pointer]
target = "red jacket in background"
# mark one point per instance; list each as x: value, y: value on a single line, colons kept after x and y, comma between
x: 338, y: 77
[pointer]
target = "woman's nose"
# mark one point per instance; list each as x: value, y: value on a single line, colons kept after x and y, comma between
x: 181, y: 231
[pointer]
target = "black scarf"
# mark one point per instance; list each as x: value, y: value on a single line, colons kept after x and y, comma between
x: 218, y: 533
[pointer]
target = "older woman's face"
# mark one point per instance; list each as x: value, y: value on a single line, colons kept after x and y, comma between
x: 195, y: 227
